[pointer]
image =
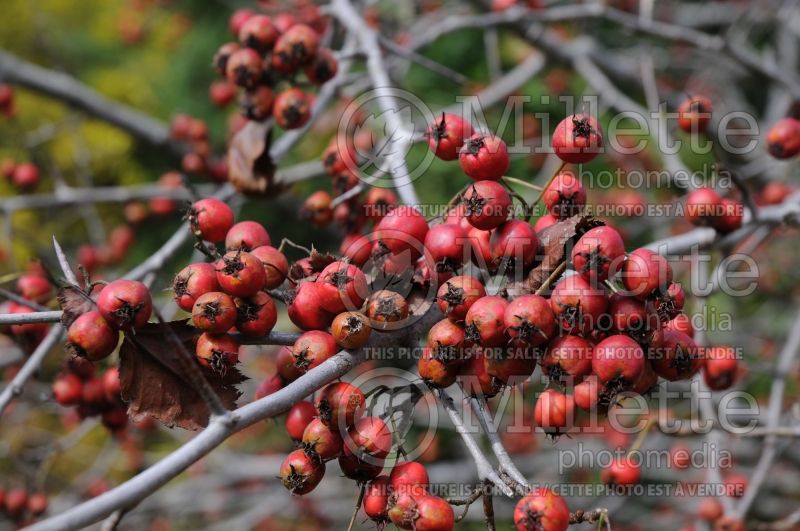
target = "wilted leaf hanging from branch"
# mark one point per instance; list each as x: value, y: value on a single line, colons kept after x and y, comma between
x: 554, y: 240
x: 153, y: 384
x: 250, y: 168
x: 73, y: 302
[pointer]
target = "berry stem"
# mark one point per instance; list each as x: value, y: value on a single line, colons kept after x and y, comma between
x: 358, y: 506
x: 508, y: 179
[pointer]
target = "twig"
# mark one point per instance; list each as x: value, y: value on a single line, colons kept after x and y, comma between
x: 31, y: 317
x: 10, y: 295
x: 481, y: 409
x: 32, y: 364
x: 69, y: 275
x: 358, y: 506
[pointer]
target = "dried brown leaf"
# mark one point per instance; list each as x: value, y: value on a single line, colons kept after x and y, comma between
x: 250, y: 168
x: 153, y: 383
x: 319, y: 261
x: 554, y: 240
x: 73, y: 302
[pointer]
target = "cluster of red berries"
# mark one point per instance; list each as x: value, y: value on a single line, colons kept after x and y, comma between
x: 7, y: 106
x: 230, y: 293
x: 32, y: 286
x: 266, y: 60
x: 705, y: 207
x: 24, y: 176
x: 78, y: 385
x: 22, y: 506
x: 198, y: 160
x: 334, y: 427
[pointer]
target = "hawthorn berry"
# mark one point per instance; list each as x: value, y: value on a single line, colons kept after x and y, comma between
x: 16, y: 502
x: 268, y: 386
x: 681, y: 323
x: 577, y: 139
x: 448, y: 246
x: 351, y: 330
x: 256, y: 103
x: 125, y: 304
x: 548, y: 220
x: 259, y: 33
x: 730, y: 216
x: 111, y: 384
x: 257, y: 315
x: 694, y: 114
x: 618, y: 359
x: 475, y: 379
x: 513, y: 244
x: 621, y: 471
x: 317, y: 208
x: 484, y: 157
x: 409, y: 477
x: 67, y: 389
x: 588, y: 393
x: 214, y: 312
x: 220, y: 61
x: 541, y: 510
x: 674, y: 355
x: 218, y: 353
x: 783, y: 138
x: 487, y: 205
x: 321, y: 441
x: 457, y: 295
x: 240, y: 274
x: 343, y: 287
x: 386, y: 306
x: 238, y: 18
x: 304, y: 309
x: 432, y: 513
x: 568, y: 357
x: 244, y: 67
x: 312, y: 348
x: 529, y: 320
x: 598, y: 254
x: 292, y: 108
x: 402, y: 229
x: 299, y: 416
x: 296, y: 47
x: 703, y: 206
x: 484, y: 322
x: 91, y: 336
x: 435, y: 371
x: 645, y: 271
x: 447, y: 135
x: 378, y: 202
x: 720, y: 368
x: 577, y: 305
x: 26, y: 176
x: 221, y: 92
x: 554, y: 412
x: 510, y: 365
x: 629, y: 316
x: 37, y: 503
x: 301, y: 473
x: 210, y: 219
x: 376, y: 499
x: 276, y: 267
x: 666, y: 303
x: 322, y: 68
x: 370, y: 436
x: 35, y: 288
x: 339, y: 403
x: 357, y: 469
x: 193, y: 281
x: 564, y: 197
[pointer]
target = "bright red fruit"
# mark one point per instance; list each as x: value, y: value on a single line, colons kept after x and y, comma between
x: 598, y: 254
x: 554, y: 412
x: 370, y: 436
x: 304, y: 309
x: 487, y: 205
x: 258, y: 32
x: 730, y: 216
x: 447, y: 135
x: 26, y: 176
x: 323, y: 68
x: 513, y: 244
x: 193, y: 281
x: 694, y: 114
x: 361, y: 470
x: 721, y: 367
x: 67, y: 389
x: 301, y: 473
x: 342, y: 286
x: 541, y: 510
x: 214, y: 312
x: 296, y: 47
x: 402, y: 229
x: 485, y: 324
x: 621, y: 471
x: 457, y: 295
x: 674, y: 355
x: 218, y: 353
x: 484, y: 157
x: 244, y: 67
x: 16, y: 502
x: 565, y: 196
x: 783, y: 138
x: 339, y: 403
x: 322, y: 441
x: 91, y: 336
x: 449, y: 247
x: 577, y: 139
x: 409, y: 477
x: 35, y: 288
x: 529, y: 319
x: 376, y: 498
x: 645, y: 271
x: 312, y: 348
x: 618, y: 358
x: 292, y: 108
x: 276, y: 267
x: 568, y: 357
x: 577, y: 305
x: 111, y: 384
x: 703, y: 206
x: 298, y: 417
x: 125, y: 304
x: 246, y: 236
x: 256, y: 316
x: 240, y: 274
x: 210, y: 219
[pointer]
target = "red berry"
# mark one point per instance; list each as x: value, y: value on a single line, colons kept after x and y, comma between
x: 257, y: 315
x: 434, y: 370
x: 457, y: 295
x: 116, y: 418
x: 256, y: 104
x: 667, y: 303
x: 221, y: 92
x: 402, y: 229
x: 447, y: 135
x: 564, y: 197
x: 577, y: 305
x: 409, y: 477
x: 322, y: 68
x: 317, y: 208
x: 320, y: 441
x: 35, y: 288
x: 511, y: 365
x: 244, y: 68
x: 681, y: 323
x: 481, y: 249
x: 554, y: 412
x: 214, y: 312
x: 238, y: 18
x: 710, y: 509
x: 111, y: 384
x: 577, y: 139
x: 258, y: 33
x: 312, y: 348
x: 433, y: 514
x: 351, y: 330
x: 220, y: 61
x: 16, y: 502
x: 629, y: 316
x: 276, y: 267
x: 703, y: 206
x: 721, y: 367
x: 530, y: 320
x: 598, y: 254
x: 339, y: 403
x: 301, y: 473
x: 730, y: 216
x: 485, y: 323
x: 193, y: 281
x: 246, y: 236
x: 644, y: 272
x: 694, y: 114
x: 268, y: 386
x: 370, y: 436
x: 378, y: 202
x: 544, y: 222
x: 343, y: 287
x: 376, y: 498
x: 618, y: 358
x: 568, y: 357
x: 304, y: 309
x: 448, y: 246
x: 218, y: 353
x: 92, y: 337
x: 357, y: 469
x: 292, y: 108
x: 587, y: 394
x: 674, y: 355
x: 67, y: 389
x: 386, y: 306
x: 240, y: 274
x: 486, y: 205
x: 26, y: 176
x: 210, y: 219
x: 621, y: 471
x: 484, y: 157
x: 125, y: 304
x: 475, y: 379
x: 93, y: 392
x: 514, y: 244
x: 298, y: 417
x: 783, y: 138
x: 541, y: 510
x: 37, y: 504
x: 296, y: 47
